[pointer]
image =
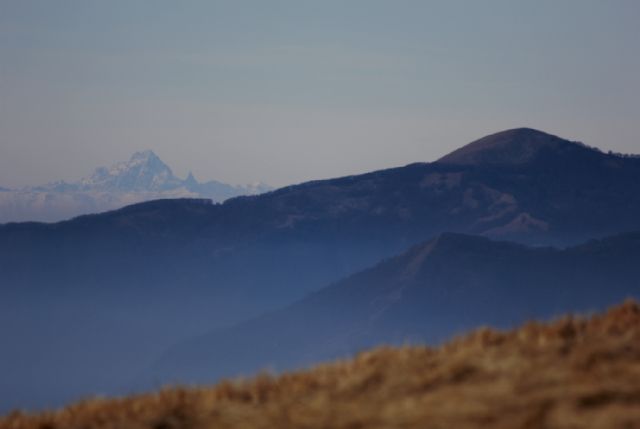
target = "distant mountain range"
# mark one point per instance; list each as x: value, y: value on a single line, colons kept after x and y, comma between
x: 435, y: 290
x: 144, y: 177
x: 152, y: 274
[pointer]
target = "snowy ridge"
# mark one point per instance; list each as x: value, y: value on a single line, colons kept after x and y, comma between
x: 143, y: 177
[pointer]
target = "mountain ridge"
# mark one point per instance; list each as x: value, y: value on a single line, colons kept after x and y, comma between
x: 426, y: 294
x: 512, y: 147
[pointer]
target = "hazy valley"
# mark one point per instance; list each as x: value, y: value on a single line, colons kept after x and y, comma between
x: 128, y: 299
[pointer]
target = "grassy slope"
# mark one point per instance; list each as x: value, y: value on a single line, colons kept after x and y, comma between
x: 572, y: 373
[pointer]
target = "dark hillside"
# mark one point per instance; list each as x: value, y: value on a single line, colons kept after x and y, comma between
x: 428, y: 294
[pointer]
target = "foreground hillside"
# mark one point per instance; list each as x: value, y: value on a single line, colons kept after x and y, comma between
x: 573, y: 373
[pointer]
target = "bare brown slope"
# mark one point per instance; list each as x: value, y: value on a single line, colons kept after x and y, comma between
x: 573, y: 373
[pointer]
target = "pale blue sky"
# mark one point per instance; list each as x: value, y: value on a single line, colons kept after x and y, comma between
x: 286, y: 91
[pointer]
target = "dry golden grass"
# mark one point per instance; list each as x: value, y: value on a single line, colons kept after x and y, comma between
x: 573, y: 373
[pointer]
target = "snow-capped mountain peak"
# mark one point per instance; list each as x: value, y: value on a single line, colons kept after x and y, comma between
x: 143, y: 177
x: 144, y: 156
x: 143, y: 172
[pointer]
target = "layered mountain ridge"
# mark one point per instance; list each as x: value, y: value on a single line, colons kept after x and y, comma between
x: 427, y: 294
x: 165, y: 270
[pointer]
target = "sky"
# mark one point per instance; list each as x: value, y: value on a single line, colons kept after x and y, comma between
x: 287, y: 91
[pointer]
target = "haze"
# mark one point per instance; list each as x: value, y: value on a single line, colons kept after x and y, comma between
x: 286, y: 91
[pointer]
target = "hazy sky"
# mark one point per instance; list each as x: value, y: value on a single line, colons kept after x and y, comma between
x: 285, y: 91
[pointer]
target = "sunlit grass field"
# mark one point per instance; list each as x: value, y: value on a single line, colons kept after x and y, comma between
x: 570, y: 373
